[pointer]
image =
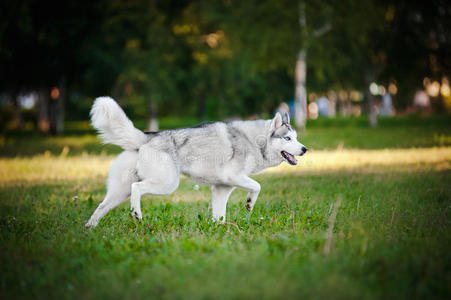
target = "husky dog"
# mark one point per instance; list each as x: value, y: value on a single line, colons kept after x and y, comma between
x: 221, y: 154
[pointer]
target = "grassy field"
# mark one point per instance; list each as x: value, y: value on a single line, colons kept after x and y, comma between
x: 321, y: 134
x: 366, y: 214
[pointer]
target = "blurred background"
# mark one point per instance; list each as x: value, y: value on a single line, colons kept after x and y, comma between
x: 175, y: 63
x: 367, y: 84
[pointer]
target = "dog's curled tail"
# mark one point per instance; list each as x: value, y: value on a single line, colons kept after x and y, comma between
x: 114, y: 126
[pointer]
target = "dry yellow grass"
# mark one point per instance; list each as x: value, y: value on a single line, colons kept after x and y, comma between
x: 47, y: 167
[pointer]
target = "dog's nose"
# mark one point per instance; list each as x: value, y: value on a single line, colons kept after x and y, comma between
x: 304, y: 149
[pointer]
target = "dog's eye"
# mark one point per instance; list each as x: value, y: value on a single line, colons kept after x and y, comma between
x: 287, y: 138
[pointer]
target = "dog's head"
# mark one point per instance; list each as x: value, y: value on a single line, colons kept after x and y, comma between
x: 283, y: 139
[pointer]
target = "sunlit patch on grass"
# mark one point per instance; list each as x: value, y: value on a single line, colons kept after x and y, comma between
x: 49, y: 167
x: 415, y: 158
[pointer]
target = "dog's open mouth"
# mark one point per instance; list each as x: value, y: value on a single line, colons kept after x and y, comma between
x: 289, y: 158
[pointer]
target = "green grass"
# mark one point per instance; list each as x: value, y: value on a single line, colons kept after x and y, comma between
x: 400, y: 132
x: 394, y: 242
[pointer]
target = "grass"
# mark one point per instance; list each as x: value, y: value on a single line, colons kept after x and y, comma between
x: 391, y: 237
x: 347, y: 133
x: 401, y: 132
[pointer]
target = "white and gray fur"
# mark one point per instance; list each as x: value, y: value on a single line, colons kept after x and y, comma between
x: 220, y: 154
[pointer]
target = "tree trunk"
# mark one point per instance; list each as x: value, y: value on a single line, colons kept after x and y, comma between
x: 57, y: 108
x: 152, y: 121
x: 372, y: 115
x: 43, y: 115
x: 300, y: 103
x: 301, y: 65
x: 300, y: 91
x: 372, y: 111
x: 18, y: 122
x: 60, y: 106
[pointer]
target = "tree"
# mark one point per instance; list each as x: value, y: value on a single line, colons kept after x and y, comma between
x: 308, y: 36
x: 40, y: 40
x: 347, y: 51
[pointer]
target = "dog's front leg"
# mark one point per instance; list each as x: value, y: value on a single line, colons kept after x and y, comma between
x: 220, y: 195
x: 250, y: 200
x: 252, y: 186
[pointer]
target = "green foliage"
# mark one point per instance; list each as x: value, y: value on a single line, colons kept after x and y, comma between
x: 216, y: 59
x: 41, y: 40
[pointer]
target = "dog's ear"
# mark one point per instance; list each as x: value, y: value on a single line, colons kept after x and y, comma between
x: 286, y: 118
x: 276, y: 122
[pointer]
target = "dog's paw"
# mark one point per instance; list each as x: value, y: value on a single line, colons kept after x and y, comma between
x: 248, y: 205
x: 218, y: 219
x: 137, y: 215
x: 90, y: 225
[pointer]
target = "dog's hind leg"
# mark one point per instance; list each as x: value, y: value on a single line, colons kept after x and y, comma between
x: 113, y: 198
x: 149, y: 187
x: 160, y: 177
x: 220, y: 196
x: 120, y: 178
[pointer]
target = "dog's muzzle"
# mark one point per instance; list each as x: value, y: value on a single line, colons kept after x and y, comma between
x: 289, y: 158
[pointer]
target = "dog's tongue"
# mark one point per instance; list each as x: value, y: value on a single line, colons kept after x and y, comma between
x: 290, y: 158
